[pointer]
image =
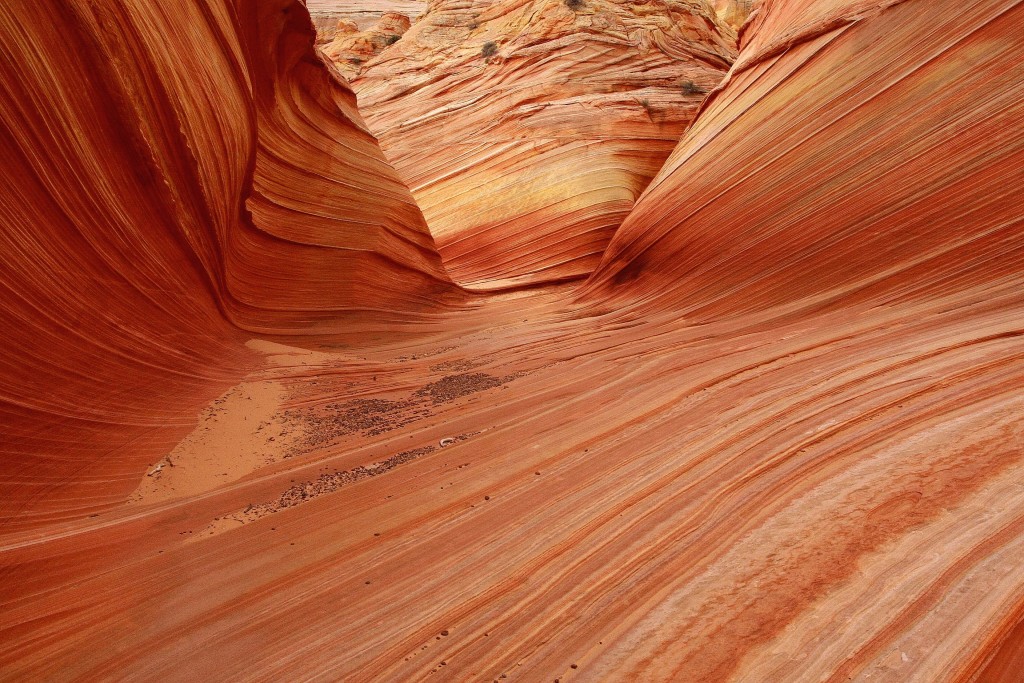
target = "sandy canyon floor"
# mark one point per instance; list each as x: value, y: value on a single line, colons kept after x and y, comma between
x: 534, y: 494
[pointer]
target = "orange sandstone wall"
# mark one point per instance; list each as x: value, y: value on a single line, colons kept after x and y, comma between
x: 735, y: 12
x: 170, y: 169
x: 525, y: 161
x: 856, y: 150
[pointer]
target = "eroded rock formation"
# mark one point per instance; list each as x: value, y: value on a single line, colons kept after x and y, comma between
x: 350, y: 49
x: 331, y: 16
x: 881, y: 186
x: 735, y: 12
x: 163, y: 187
x: 776, y: 437
x: 527, y: 129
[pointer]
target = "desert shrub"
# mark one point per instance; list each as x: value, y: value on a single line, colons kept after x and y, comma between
x: 691, y: 88
x: 489, y: 49
x: 574, y: 5
x: 391, y: 38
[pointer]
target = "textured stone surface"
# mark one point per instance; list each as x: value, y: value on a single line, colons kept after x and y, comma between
x: 735, y: 12
x: 777, y: 437
x: 525, y: 161
x: 840, y: 161
x: 351, y: 49
x: 163, y: 187
x: 363, y: 14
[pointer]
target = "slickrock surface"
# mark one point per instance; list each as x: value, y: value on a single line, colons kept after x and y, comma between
x: 777, y: 437
x: 841, y: 160
x: 162, y: 188
x: 351, y: 49
x: 525, y: 161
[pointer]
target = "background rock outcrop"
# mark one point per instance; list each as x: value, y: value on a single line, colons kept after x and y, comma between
x: 527, y: 129
x: 331, y: 16
x: 350, y: 49
x: 735, y: 12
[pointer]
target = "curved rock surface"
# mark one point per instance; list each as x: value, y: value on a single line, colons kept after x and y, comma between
x: 842, y: 159
x: 526, y: 159
x: 163, y: 187
x: 778, y: 437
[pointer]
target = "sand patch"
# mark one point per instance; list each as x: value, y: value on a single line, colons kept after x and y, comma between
x: 239, y: 432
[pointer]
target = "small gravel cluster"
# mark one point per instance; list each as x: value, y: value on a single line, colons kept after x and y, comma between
x: 451, y: 387
x: 330, y: 482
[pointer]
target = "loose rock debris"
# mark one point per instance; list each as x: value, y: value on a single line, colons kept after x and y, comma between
x: 374, y: 416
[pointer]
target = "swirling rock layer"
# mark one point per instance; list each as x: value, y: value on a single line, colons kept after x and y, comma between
x: 841, y: 160
x: 778, y: 437
x: 527, y: 129
x: 171, y: 175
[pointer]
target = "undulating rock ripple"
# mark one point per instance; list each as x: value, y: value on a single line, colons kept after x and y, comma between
x: 526, y: 130
x: 250, y: 430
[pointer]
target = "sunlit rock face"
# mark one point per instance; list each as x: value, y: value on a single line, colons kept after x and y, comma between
x: 735, y: 12
x: 527, y: 129
x: 856, y: 150
x: 173, y: 174
x: 351, y: 49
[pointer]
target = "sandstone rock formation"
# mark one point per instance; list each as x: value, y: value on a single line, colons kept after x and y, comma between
x: 350, y: 49
x: 330, y: 15
x: 869, y: 189
x: 164, y: 186
x: 330, y: 26
x: 734, y: 12
x: 527, y: 129
x: 776, y: 437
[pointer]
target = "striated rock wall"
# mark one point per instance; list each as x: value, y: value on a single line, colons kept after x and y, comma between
x: 779, y: 440
x: 526, y: 129
x: 171, y: 175
x: 856, y: 150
